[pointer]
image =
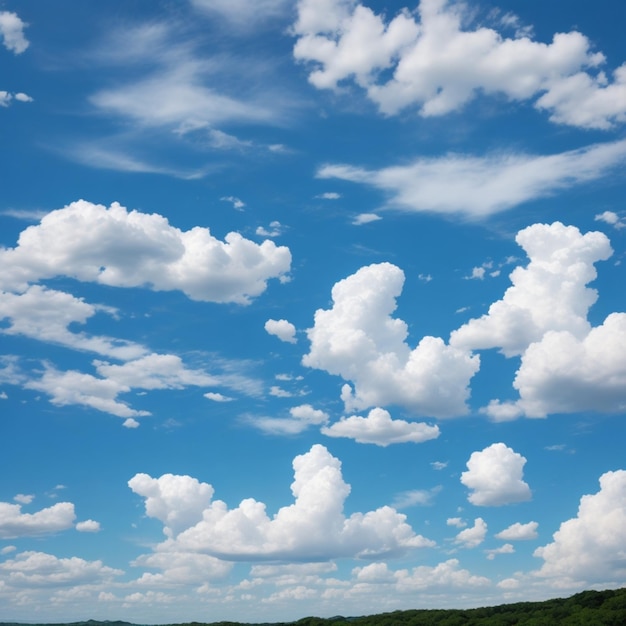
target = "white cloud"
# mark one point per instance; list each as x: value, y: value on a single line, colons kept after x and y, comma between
x: 550, y: 293
x: 365, y: 218
x: 88, y: 526
x: 481, y: 186
x: 73, y: 387
x: 282, y: 329
x: 507, y: 548
x: 130, y: 249
x: 217, y: 397
x: 6, y: 97
x: 473, y: 536
x: 153, y: 371
x: 180, y: 569
x: 439, y: 63
x: 275, y: 230
x: 302, y: 417
x: 590, y: 548
x: 442, y: 578
x: 14, y: 523
x: 456, y: 521
x: 439, y: 465
x: 380, y: 429
x: 566, y: 364
x: 279, y: 392
x: 359, y: 340
x: 12, y: 31
x: 313, y: 528
x: 494, y: 476
x: 612, y: 218
x: 22, y: 498
x: 46, y: 314
x: 38, y: 569
x: 519, y: 532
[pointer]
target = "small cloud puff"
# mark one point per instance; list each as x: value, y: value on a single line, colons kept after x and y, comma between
x: 88, y: 526
x: 282, y: 329
x: 217, y: 397
x: 365, y: 218
x: 474, y: 536
x: 12, y: 31
x: 236, y: 202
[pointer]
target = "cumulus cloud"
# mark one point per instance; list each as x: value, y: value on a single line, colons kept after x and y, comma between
x: 589, y: 548
x: 550, y: 293
x: 88, y: 526
x: 481, y: 186
x: 6, y: 97
x: 180, y: 569
x: 275, y: 230
x: 358, y: 340
x: 566, y: 364
x: 313, y: 528
x: 282, y: 329
x: 415, y: 497
x: 380, y: 429
x: 519, y: 532
x: 38, y: 569
x: 495, y: 476
x: 116, y: 247
x: 23, y: 498
x: 12, y: 31
x: 14, y: 523
x: 473, y: 536
x: 440, y: 61
x: 365, y: 218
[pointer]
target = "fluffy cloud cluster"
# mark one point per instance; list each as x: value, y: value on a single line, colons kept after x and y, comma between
x: 438, y: 66
x: 481, y: 186
x: 495, y: 476
x: 550, y: 293
x: 359, y: 340
x: 380, y: 429
x: 313, y: 528
x: 566, y: 364
x: 12, y: 31
x: 38, y: 569
x: 14, y: 523
x: 113, y: 246
x: 591, y: 548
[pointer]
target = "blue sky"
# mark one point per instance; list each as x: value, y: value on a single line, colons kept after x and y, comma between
x: 309, y: 307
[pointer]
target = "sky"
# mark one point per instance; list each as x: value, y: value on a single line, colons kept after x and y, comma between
x: 309, y: 307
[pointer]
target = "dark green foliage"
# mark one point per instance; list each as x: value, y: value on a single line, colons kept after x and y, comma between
x: 589, y: 608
